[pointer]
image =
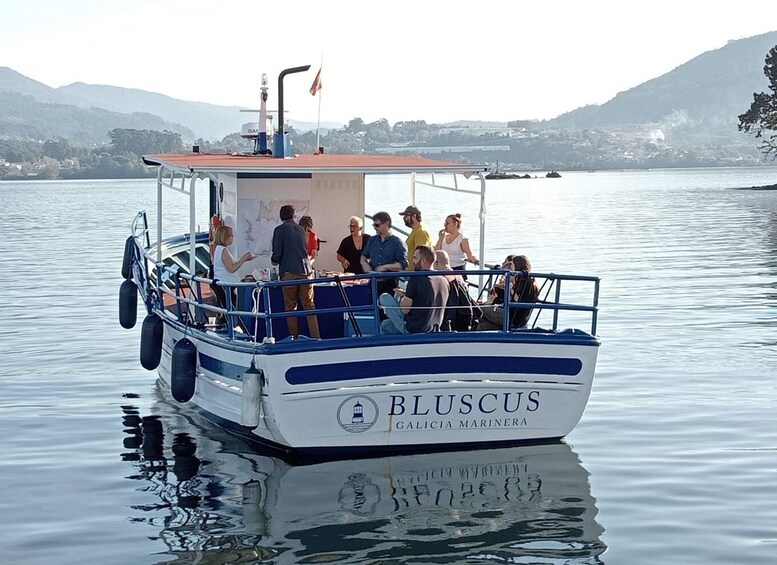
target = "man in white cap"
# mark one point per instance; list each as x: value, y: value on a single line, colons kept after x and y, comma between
x: 418, y: 234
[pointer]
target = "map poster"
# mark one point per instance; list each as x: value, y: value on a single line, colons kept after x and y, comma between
x: 256, y: 220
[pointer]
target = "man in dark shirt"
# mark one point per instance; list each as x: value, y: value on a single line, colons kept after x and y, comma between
x: 290, y: 253
x: 421, y: 306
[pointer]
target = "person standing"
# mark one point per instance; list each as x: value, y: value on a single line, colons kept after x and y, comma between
x: 313, y: 243
x: 290, y: 253
x: 384, y: 252
x: 225, y: 266
x: 421, y: 306
x: 350, y: 251
x: 419, y: 235
x: 452, y: 240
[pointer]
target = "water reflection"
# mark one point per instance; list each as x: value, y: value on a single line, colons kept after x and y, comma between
x: 210, y: 492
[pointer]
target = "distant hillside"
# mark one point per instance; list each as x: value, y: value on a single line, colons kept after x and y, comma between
x: 705, y: 94
x: 29, y: 108
x: 205, y: 120
x: 24, y: 116
x: 198, y: 119
x: 208, y: 121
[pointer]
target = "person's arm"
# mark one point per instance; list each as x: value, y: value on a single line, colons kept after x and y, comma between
x: 365, y: 258
x: 438, y: 245
x: 400, y: 257
x: 342, y: 260
x: 405, y: 302
x: 277, y: 247
x: 468, y: 252
x: 396, y: 266
x: 229, y: 262
x: 314, y: 246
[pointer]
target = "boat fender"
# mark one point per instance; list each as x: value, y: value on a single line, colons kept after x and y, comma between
x: 151, y: 342
x: 183, y: 370
x: 250, y: 405
x: 128, y: 304
x: 126, y: 264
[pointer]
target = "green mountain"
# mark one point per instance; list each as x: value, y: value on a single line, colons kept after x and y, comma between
x: 31, y: 109
x: 199, y: 119
x: 205, y: 120
x: 704, y: 95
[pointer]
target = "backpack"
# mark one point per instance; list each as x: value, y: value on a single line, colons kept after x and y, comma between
x: 461, y: 312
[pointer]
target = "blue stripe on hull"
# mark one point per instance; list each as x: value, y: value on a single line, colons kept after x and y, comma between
x: 333, y: 372
x: 222, y: 368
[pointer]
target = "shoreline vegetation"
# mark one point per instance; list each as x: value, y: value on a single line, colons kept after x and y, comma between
x: 532, y: 154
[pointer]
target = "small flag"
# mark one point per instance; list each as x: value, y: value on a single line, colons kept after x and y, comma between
x: 316, y: 86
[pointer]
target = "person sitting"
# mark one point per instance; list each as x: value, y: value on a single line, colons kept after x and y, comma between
x: 523, y: 289
x: 497, y: 293
x: 383, y: 252
x: 459, y: 312
x: 350, y: 251
x: 421, y: 307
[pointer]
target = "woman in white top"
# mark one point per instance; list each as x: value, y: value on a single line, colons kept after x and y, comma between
x: 455, y: 243
x: 224, y: 265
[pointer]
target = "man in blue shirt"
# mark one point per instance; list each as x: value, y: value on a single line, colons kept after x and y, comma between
x: 290, y: 253
x: 384, y: 252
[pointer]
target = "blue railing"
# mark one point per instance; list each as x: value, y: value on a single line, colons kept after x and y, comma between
x: 168, y: 286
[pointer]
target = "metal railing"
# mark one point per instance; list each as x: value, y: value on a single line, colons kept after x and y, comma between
x: 167, y: 286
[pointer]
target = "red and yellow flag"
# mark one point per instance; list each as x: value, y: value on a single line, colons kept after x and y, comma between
x: 317, y: 85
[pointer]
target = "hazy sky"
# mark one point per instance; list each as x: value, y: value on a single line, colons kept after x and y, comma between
x: 433, y: 60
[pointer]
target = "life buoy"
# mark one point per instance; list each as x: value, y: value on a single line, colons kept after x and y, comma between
x: 151, y: 342
x: 128, y: 304
x: 183, y: 370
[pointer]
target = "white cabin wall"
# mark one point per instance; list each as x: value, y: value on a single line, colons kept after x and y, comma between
x: 228, y: 206
x: 251, y: 207
x: 335, y: 198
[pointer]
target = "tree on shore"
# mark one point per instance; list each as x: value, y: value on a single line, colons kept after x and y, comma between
x: 761, y: 118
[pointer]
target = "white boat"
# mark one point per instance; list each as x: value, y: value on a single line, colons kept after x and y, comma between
x: 354, y: 390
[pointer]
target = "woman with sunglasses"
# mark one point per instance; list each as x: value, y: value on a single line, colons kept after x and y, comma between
x: 455, y: 243
x: 350, y: 251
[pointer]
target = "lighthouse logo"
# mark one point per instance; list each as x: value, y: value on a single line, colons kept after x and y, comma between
x: 357, y: 414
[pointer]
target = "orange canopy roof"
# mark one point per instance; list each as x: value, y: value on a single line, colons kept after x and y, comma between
x: 386, y: 164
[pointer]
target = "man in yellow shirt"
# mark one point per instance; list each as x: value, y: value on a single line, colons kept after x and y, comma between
x: 418, y: 234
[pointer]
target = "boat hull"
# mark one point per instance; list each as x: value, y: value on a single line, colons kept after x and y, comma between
x: 374, y: 394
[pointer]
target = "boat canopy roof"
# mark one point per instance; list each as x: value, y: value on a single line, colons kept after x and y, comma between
x: 192, y: 163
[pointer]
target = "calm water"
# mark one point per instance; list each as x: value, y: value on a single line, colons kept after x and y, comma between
x: 674, y: 461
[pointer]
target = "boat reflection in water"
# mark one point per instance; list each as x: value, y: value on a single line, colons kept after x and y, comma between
x: 212, y: 493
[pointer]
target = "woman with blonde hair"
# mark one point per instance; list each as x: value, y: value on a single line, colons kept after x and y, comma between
x: 452, y: 240
x: 225, y: 266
